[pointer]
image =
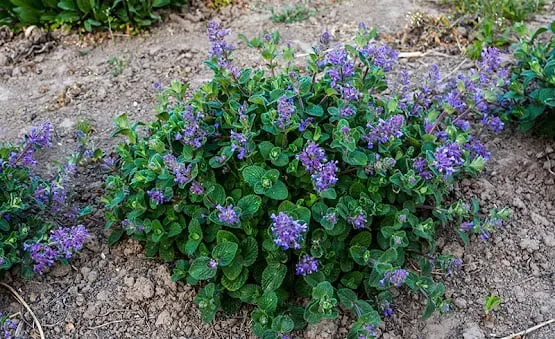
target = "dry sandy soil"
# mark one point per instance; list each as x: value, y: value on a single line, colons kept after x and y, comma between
x: 117, y: 293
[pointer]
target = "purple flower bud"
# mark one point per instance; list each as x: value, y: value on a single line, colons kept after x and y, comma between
x: 448, y: 158
x: 396, y: 277
x: 359, y: 221
x: 385, y: 130
x: 157, y: 196
x: 196, y: 188
x: 307, y: 265
x: 227, y: 215
x: 212, y: 264
x: 325, y: 38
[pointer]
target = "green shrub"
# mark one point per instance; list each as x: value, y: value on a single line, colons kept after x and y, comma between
x: 105, y: 14
x: 34, y: 208
x: 269, y: 184
x: 289, y: 15
x: 533, y: 82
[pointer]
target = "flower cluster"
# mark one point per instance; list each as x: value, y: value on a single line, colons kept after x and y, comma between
x: 193, y: 133
x: 385, y: 130
x: 62, y: 243
x: 7, y: 326
x: 288, y: 232
x: 323, y: 172
x: 181, y: 172
x: 285, y: 110
x: 307, y: 265
x: 448, y: 158
x: 227, y: 215
x: 396, y: 277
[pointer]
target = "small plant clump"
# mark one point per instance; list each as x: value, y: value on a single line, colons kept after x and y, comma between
x: 533, y: 81
x: 90, y: 14
x: 288, y: 15
x: 269, y: 184
x: 491, y: 303
x: 493, y: 20
x: 34, y: 209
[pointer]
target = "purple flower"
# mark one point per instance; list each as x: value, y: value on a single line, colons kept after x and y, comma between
x: 387, y: 310
x: 312, y: 157
x: 337, y: 57
x: 421, y: 168
x: 448, y: 158
x: 239, y: 143
x: 347, y: 112
x: 307, y: 265
x: 62, y: 243
x: 108, y: 163
x: 350, y: 93
x: 382, y: 56
x: 221, y: 158
x: 325, y: 38
x: 453, y: 265
x: 192, y: 134
x: 490, y: 60
x: 40, y: 135
x: 331, y: 218
x: 396, y: 277
x: 285, y: 110
x: 227, y: 215
x: 157, y: 86
x: 464, y: 125
x: 495, y: 124
x: 59, y: 196
x: 466, y: 226
x: 359, y: 221
x: 41, y: 194
x: 242, y: 111
x: 287, y: 232
x: 325, y: 177
x: 385, y: 130
x: 370, y: 332
x: 304, y: 123
x: 212, y: 264
x: 181, y: 172
x: 476, y: 148
x: 157, y: 196
x: 455, y: 100
x: 196, y: 188
x: 220, y: 49
x: 69, y: 240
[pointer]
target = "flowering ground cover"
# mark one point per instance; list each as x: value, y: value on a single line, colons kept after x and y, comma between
x: 515, y: 262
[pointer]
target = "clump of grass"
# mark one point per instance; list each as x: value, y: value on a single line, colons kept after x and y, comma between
x: 290, y: 15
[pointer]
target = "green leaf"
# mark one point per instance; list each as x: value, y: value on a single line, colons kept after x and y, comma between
x: 236, y: 284
x: 249, y: 250
x: 278, y: 191
x: 322, y: 289
x: 268, y: 301
x: 84, y: 6
x: 233, y: 270
x: 347, y: 297
x: 225, y: 252
x: 272, y: 277
x: 249, y: 205
x: 160, y: 3
x: 253, y: 174
x: 199, y: 269
x: 114, y: 237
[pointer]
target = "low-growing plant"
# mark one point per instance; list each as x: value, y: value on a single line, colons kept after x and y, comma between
x: 493, y: 20
x: 269, y: 184
x: 491, y: 303
x: 533, y: 81
x: 89, y: 14
x: 300, y: 12
x: 34, y: 208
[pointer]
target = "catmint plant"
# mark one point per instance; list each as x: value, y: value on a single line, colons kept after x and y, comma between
x: 39, y: 224
x: 311, y: 182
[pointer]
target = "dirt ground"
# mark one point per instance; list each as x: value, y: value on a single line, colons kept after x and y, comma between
x: 117, y: 293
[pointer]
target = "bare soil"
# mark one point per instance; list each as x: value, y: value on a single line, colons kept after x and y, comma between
x: 118, y: 293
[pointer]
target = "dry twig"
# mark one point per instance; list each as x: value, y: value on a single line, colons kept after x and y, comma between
x: 526, y: 331
x: 22, y: 302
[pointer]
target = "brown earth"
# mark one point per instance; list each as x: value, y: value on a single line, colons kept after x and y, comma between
x: 117, y: 293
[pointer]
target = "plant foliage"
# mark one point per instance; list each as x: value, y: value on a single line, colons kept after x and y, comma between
x: 35, y: 208
x: 105, y: 14
x: 533, y: 81
x: 271, y: 183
